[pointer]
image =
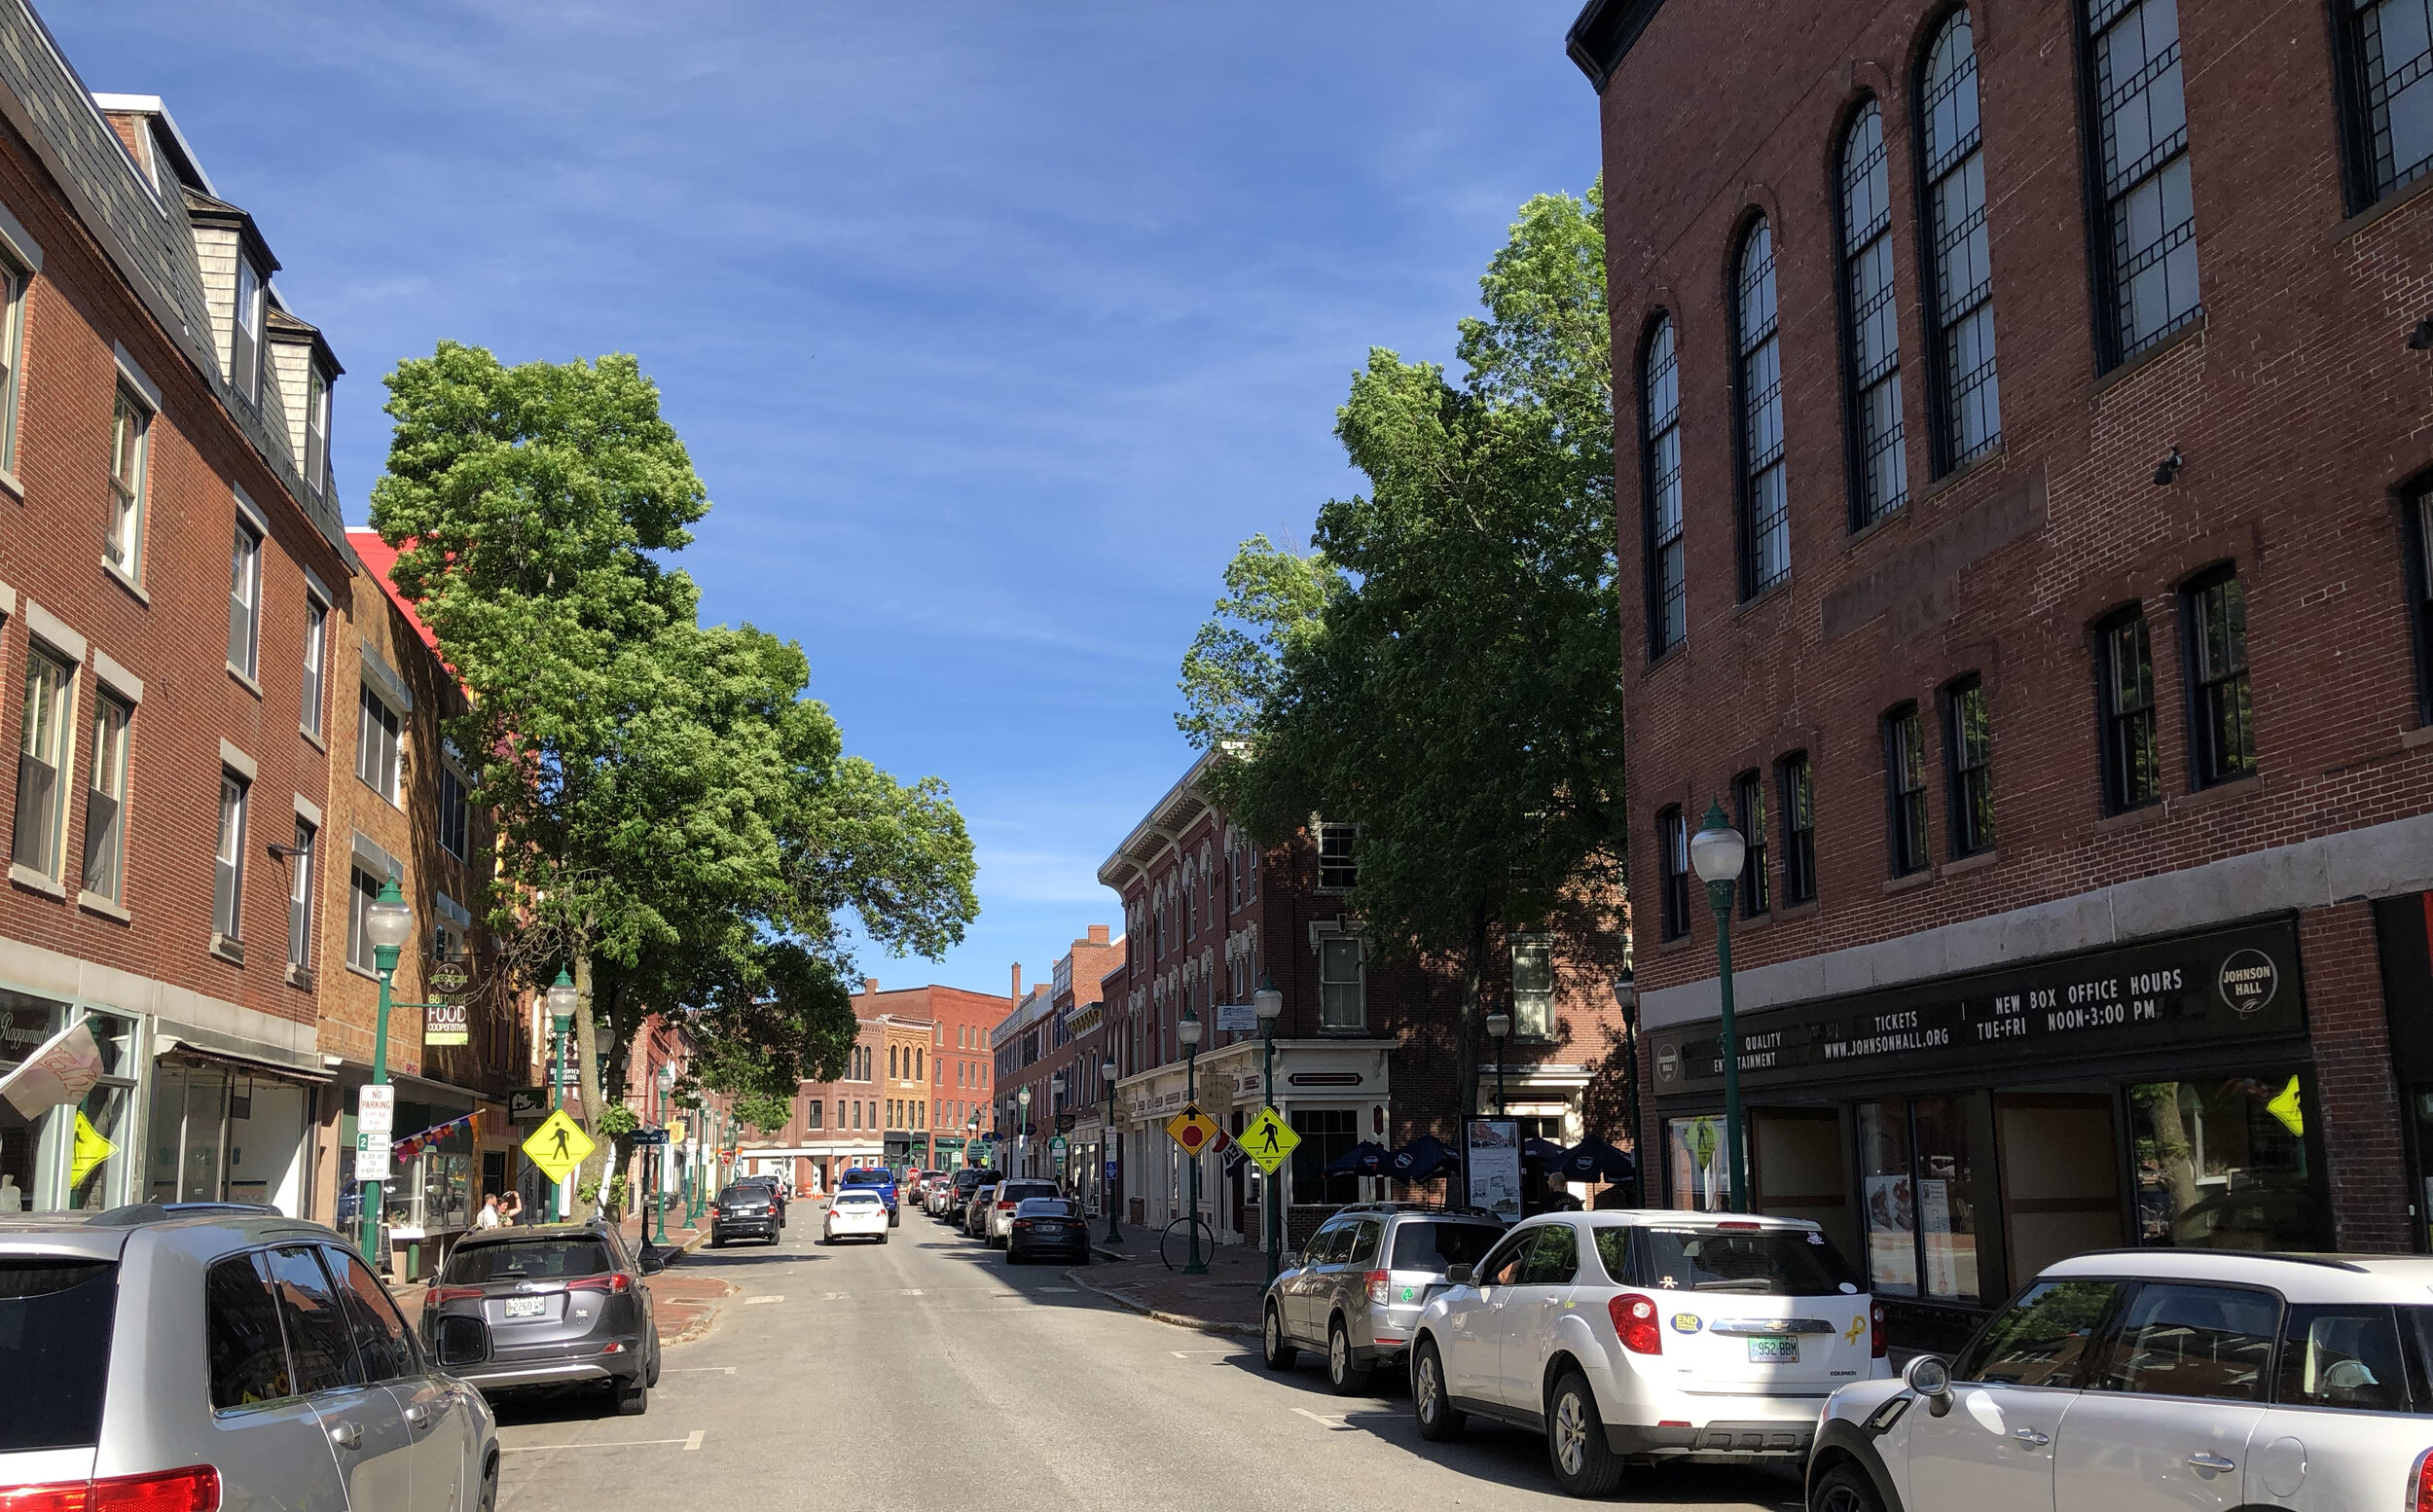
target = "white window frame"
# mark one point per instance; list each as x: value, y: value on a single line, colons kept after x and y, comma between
x: 227, y: 864
x: 1533, y: 1007
x: 244, y: 342
x: 359, y: 957
x: 302, y: 868
x: 1346, y: 866
x: 14, y: 281
x: 312, y: 715
x: 244, y: 600
x: 379, y: 764
x: 130, y: 452
x: 105, y: 795
x: 453, y: 773
x: 1342, y: 1000
x: 43, y: 852
x: 317, y: 466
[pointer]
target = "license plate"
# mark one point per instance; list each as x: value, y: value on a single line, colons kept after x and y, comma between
x: 1774, y: 1350
x: 536, y: 1307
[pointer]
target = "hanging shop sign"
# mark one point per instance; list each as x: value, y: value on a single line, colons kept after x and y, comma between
x: 2195, y: 990
x: 447, y: 1021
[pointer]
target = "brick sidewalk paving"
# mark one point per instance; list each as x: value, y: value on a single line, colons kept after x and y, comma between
x: 1224, y: 1301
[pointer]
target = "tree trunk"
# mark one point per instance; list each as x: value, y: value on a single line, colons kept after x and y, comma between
x: 587, y: 1073
x: 1465, y: 1040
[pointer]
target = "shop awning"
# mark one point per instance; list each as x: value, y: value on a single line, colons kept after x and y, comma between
x: 230, y: 1053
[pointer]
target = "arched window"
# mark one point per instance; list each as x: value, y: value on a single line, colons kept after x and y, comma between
x: 1879, y: 470
x: 1659, y: 452
x: 1758, y: 377
x: 1960, y: 297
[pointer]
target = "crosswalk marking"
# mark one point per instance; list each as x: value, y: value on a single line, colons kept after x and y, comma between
x: 773, y: 1296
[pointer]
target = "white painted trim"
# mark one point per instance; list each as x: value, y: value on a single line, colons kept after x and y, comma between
x: 318, y: 590
x: 391, y: 688
x: 238, y: 762
x: 454, y: 911
x: 21, y: 242
x: 308, y: 811
x: 48, y: 627
x: 252, y: 512
x: 8, y: 601
x: 132, y: 370
x: 2381, y: 860
x: 378, y: 861
x: 118, y: 679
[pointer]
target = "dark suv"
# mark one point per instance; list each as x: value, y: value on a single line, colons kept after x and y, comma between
x: 557, y: 1304
x: 741, y: 1212
x: 968, y: 1180
x: 770, y: 1185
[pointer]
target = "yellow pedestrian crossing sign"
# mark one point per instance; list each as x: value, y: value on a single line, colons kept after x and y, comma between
x: 1269, y: 1140
x: 1191, y: 1129
x: 558, y: 1145
x: 91, y: 1149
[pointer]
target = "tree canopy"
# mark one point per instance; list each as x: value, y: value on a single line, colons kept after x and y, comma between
x: 1443, y: 668
x: 677, y: 818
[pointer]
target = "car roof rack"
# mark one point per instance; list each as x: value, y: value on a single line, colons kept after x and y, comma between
x: 2329, y: 1262
x: 134, y: 1213
x: 1462, y: 1210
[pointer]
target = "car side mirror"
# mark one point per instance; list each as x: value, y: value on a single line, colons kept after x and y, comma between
x: 1929, y: 1378
x: 653, y: 1263
x: 462, y: 1341
x: 1458, y: 1274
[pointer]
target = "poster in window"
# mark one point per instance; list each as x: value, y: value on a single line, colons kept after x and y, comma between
x: 1891, y: 1229
x: 1701, y: 1164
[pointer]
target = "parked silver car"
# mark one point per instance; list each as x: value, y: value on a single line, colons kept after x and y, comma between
x: 976, y: 1211
x: 214, y: 1354
x: 1357, y: 1291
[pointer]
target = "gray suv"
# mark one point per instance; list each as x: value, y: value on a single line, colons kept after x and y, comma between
x: 1357, y: 1291
x: 549, y: 1305
x: 214, y: 1354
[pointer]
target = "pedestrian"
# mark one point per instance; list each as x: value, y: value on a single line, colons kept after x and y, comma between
x: 489, y: 1216
x: 511, y: 1210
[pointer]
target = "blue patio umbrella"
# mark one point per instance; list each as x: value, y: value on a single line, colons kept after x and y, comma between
x: 1594, y: 1160
x: 1422, y: 1158
x: 1364, y: 1159
x: 1535, y: 1148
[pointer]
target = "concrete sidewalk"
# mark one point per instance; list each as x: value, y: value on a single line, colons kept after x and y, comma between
x: 1226, y: 1301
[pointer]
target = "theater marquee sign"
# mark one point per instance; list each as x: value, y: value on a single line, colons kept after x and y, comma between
x: 2190, y: 989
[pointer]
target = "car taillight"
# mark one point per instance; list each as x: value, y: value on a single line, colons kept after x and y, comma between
x: 1022, y: 1223
x: 1002, y: 1207
x: 614, y: 1282
x: 195, y: 1489
x: 1875, y: 1330
x: 1634, y: 1323
x: 1750, y: 1226
x: 2420, y: 1484
x: 439, y: 1294
x: 1379, y: 1288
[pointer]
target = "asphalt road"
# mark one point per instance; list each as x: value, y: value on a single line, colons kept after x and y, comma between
x: 926, y: 1374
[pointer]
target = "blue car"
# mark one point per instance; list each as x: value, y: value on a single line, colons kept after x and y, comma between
x: 875, y: 1178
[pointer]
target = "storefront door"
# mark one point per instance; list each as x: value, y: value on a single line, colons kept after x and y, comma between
x: 2060, y: 1177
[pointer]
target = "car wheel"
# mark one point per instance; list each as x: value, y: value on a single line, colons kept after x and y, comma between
x: 1845, y: 1488
x: 1584, y: 1461
x: 632, y: 1398
x: 489, y: 1484
x: 1279, y: 1351
x: 1347, y: 1375
x: 1439, y: 1418
x: 653, y: 1377
x: 881, y: 1238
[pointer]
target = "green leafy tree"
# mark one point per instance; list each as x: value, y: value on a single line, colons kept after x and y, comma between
x: 1454, y: 687
x: 677, y: 818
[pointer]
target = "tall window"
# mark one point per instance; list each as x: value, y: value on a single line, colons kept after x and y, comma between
x: 1338, y: 869
x: 1879, y: 470
x: 1798, y: 799
x: 1342, y: 984
x: 1749, y: 814
x: 1905, y: 775
x: 42, y: 750
x: 2221, y: 710
x: 1969, y: 766
x: 1190, y: 903
x: 244, y: 599
x: 12, y: 283
x: 300, y: 880
x: 1659, y: 449
x: 316, y: 658
x: 316, y: 428
x: 129, y: 427
x: 244, y: 363
x: 2146, y: 237
x: 2419, y: 532
x: 227, y: 872
x: 1960, y: 303
x: 454, y: 812
x: 2132, y: 764
x: 1533, y: 986
x: 1672, y: 857
x: 377, y: 749
x: 1757, y: 375
x: 362, y: 892
x: 105, y: 800
x: 2390, y: 48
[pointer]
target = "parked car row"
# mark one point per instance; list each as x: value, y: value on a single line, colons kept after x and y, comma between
x: 1027, y: 1217
x: 2137, y: 1380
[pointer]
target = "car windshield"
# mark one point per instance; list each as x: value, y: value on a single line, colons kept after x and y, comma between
x: 857, y: 1198
x: 1016, y: 1191
x: 1440, y: 1246
x: 742, y: 1194
x: 55, y: 1321
x: 1768, y: 1262
x: 1057, y: 1207
x: 528, y: 1259
x: 865, y: 1178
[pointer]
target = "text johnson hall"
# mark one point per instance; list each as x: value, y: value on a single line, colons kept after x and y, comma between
x: 2025, y: 485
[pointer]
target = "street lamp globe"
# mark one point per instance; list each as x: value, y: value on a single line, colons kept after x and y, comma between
x: 1188, y: 1031
x: 1626, y: 992
x: 561, y: 1001
x: 1110, y: 1070
x: 1499, y: 1024
x: 1267, y: 1003
x: 1056, y: 1085
x: 1718, y: 851
x: 388, y: 921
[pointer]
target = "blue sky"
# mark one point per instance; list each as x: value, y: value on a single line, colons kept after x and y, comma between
x: 993, y: 327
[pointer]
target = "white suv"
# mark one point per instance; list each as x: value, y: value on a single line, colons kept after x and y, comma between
x: 2150, y: 1379
x: 1674, y: 1335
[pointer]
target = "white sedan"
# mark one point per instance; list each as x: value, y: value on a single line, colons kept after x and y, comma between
x: 857, y: 1210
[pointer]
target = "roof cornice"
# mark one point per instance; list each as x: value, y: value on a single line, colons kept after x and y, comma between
x: 1604, y: 33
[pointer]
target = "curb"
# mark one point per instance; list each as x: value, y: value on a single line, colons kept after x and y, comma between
x: 1178, y: 1319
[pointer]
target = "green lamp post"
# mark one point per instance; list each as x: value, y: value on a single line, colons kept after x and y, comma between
x: 561, y: 998
x: 1268, y: 1004
x: 387, y: 923
x: 659, y: 1152
x: 1716, y: 853
x: 1188, y: 1031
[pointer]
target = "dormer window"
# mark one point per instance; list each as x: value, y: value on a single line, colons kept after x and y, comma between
x: 317, y: 460
x: 244, y: 363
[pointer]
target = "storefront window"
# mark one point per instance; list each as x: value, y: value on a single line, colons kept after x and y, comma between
x: 1698, y: 1163
x: 432, y: 1192
x: 1921, y: 1212
x: 25, y: 1024
x: 1891, y: 1204
x: 2222, y: 1165
x: 220, y: 1135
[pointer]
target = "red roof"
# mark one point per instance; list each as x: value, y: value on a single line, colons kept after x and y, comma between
x: 379, y: 556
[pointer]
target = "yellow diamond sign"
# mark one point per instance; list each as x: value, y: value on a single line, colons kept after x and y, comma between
x: 1269, y: 1140
x: 91, y: 1149
x: 558, y: 1145
x: 1191, y: 1129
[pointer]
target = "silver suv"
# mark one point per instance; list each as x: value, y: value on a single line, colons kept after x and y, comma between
x: 213, y: 1354
x: 1358, y: 1290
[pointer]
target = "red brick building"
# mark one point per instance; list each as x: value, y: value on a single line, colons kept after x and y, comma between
x: 1053, y: 1047
x: 1365, y: 1049
x: 2023, y: 479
